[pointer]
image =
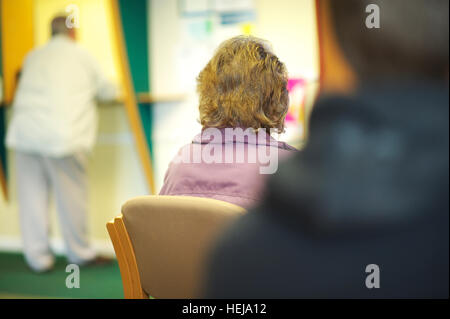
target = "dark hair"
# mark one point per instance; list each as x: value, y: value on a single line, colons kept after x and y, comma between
x: 58, y: 25
x: 412, y: 39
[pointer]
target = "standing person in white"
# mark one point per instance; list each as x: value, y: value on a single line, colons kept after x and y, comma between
x: 53, y: 129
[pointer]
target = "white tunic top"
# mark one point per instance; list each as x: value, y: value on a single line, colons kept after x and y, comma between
x: 54, y: 111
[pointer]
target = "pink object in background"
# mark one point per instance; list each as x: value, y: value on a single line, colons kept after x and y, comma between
x: 296, y: 88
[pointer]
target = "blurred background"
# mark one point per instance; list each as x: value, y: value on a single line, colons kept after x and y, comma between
x: 180, y: 38
x: 167, y: 43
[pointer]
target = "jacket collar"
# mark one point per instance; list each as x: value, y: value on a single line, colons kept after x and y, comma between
x: 238, y: 135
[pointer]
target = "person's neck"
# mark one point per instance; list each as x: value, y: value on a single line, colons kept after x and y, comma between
x: 62, y: 36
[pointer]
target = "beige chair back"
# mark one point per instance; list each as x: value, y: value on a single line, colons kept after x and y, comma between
x: 171, y: 237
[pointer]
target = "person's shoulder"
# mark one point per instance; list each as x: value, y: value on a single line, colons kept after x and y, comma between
x: 334, y: 117
x: 76, y: 49
x: 285, y: 146
x: 336, y: 106
x: 35, y: 53
x: 81, y: 50
x: 183, y: 155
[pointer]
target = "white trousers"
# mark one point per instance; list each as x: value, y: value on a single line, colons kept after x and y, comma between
x: 37, y: 177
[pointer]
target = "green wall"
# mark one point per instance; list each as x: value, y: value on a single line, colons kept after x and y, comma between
x: 135, y: 28
x: 2, y: 118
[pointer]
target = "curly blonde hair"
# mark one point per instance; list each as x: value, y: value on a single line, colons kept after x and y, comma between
x: 243, y: 85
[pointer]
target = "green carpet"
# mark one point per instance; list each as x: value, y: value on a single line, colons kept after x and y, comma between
x: 18, y: 281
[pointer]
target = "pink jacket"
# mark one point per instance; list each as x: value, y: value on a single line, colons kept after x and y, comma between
x: 232, y: 168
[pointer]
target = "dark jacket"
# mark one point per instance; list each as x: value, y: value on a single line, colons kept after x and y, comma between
x: 371, y: 187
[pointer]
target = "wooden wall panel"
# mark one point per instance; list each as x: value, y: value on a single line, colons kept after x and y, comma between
x: 336, y: 74
x: 133, y: 65
x: 17, y: 39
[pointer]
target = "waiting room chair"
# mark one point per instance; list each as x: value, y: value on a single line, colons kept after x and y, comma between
x: 162, y: 242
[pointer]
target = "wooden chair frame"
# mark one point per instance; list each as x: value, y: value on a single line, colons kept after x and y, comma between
x: 131, y: 280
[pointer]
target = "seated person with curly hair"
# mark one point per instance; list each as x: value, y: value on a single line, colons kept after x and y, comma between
x: 243, y: 98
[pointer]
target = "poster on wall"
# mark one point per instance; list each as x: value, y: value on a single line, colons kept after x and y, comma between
x: 295, y: 118
x: 204, y: 24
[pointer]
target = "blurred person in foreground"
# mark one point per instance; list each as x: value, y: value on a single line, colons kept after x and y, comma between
x: 362, y: 211
x: 243, y: 98
x: 52, y: 130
